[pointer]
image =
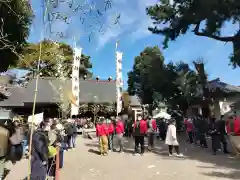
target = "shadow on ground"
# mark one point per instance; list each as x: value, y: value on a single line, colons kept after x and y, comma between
x: 94, y: 151
x: 204, y: 155
x: 91, y: 145
x: 231, y: 175
x: 6, y: 172
x: 191, y: 152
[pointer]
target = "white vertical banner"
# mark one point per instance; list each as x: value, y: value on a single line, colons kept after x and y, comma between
x: 76, y: 80
x: 119, y: 82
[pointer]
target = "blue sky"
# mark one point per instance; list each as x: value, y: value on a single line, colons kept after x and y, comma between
x: 134, y: 37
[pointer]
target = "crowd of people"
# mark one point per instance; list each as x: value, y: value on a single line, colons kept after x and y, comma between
x: 11, y: 138
x: 54, y: 136
x: 142, y: 127
x: 49, y: 138
x: 221, y: 132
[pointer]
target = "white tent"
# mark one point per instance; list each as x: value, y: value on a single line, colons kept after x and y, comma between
x: 162, y: 114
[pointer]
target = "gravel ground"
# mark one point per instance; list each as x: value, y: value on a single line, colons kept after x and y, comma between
x: 84, y: 163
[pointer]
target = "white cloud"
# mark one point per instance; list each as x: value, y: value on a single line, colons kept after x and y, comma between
x: 134, y: 22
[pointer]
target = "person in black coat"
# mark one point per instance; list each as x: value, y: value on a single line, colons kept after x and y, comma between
x: 162, y: 126
x: 202, y: 130
x: 221, y: 127
x: 213, y: 132
x: 74, y: 130
x: 39, y: 160
x: 69, y: 133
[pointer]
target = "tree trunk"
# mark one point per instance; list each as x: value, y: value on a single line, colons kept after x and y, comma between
x: 206, y: 112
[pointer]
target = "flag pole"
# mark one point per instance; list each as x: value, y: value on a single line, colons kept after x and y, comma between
x: 35, y: 92
x: 118, y: 77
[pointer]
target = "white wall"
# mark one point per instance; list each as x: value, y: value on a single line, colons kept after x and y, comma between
x: 225, y: 105
x: 220, y: 106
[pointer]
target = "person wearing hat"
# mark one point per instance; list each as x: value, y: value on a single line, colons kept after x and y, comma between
x: 171, y: 138
x: 139, y: 131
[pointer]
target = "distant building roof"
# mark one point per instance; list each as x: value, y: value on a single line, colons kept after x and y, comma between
x: 102, y: 91
x: 216, y: 83
x: 15, y: 99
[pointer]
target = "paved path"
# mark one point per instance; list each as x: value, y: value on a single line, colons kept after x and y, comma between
x: 84, y: 163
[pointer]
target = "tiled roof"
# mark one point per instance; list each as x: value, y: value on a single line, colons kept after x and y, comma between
x: 15, y: 99
x: 223, y: 86
x: 90, y: 90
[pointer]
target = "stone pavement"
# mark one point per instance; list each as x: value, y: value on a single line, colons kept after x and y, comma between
x: 84, y: 163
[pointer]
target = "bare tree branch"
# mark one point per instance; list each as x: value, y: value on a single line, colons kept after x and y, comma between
x: 91, y: 17
x: 205, y: 34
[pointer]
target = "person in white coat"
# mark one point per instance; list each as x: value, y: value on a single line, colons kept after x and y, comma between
x: 171, y: 138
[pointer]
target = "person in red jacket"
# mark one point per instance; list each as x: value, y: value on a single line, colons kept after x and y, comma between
x: 102, y: 132
x: 119, y: 129
x: 152, y: 129
x: 110, y: 126
x: 233, y: 130
x: 233, y: 126
x: 139, y: 131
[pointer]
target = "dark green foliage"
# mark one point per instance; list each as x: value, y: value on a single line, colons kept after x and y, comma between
x: 145, y: 71
x: 203, y: 17
x: 155, y: 82
x: 15, y: 19
x: 50, y: 51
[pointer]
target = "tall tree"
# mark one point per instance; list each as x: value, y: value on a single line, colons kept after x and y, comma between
x: 155, y: 82
x: 203, y: 82
x: 182, y: 16
x: 16, y: 17
x: 50, y: 54
x: 187, y: 86
x: 147, y: 68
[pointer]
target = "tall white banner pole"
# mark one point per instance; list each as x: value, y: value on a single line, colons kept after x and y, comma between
x: 75, y: 79
x: 119, y: 81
